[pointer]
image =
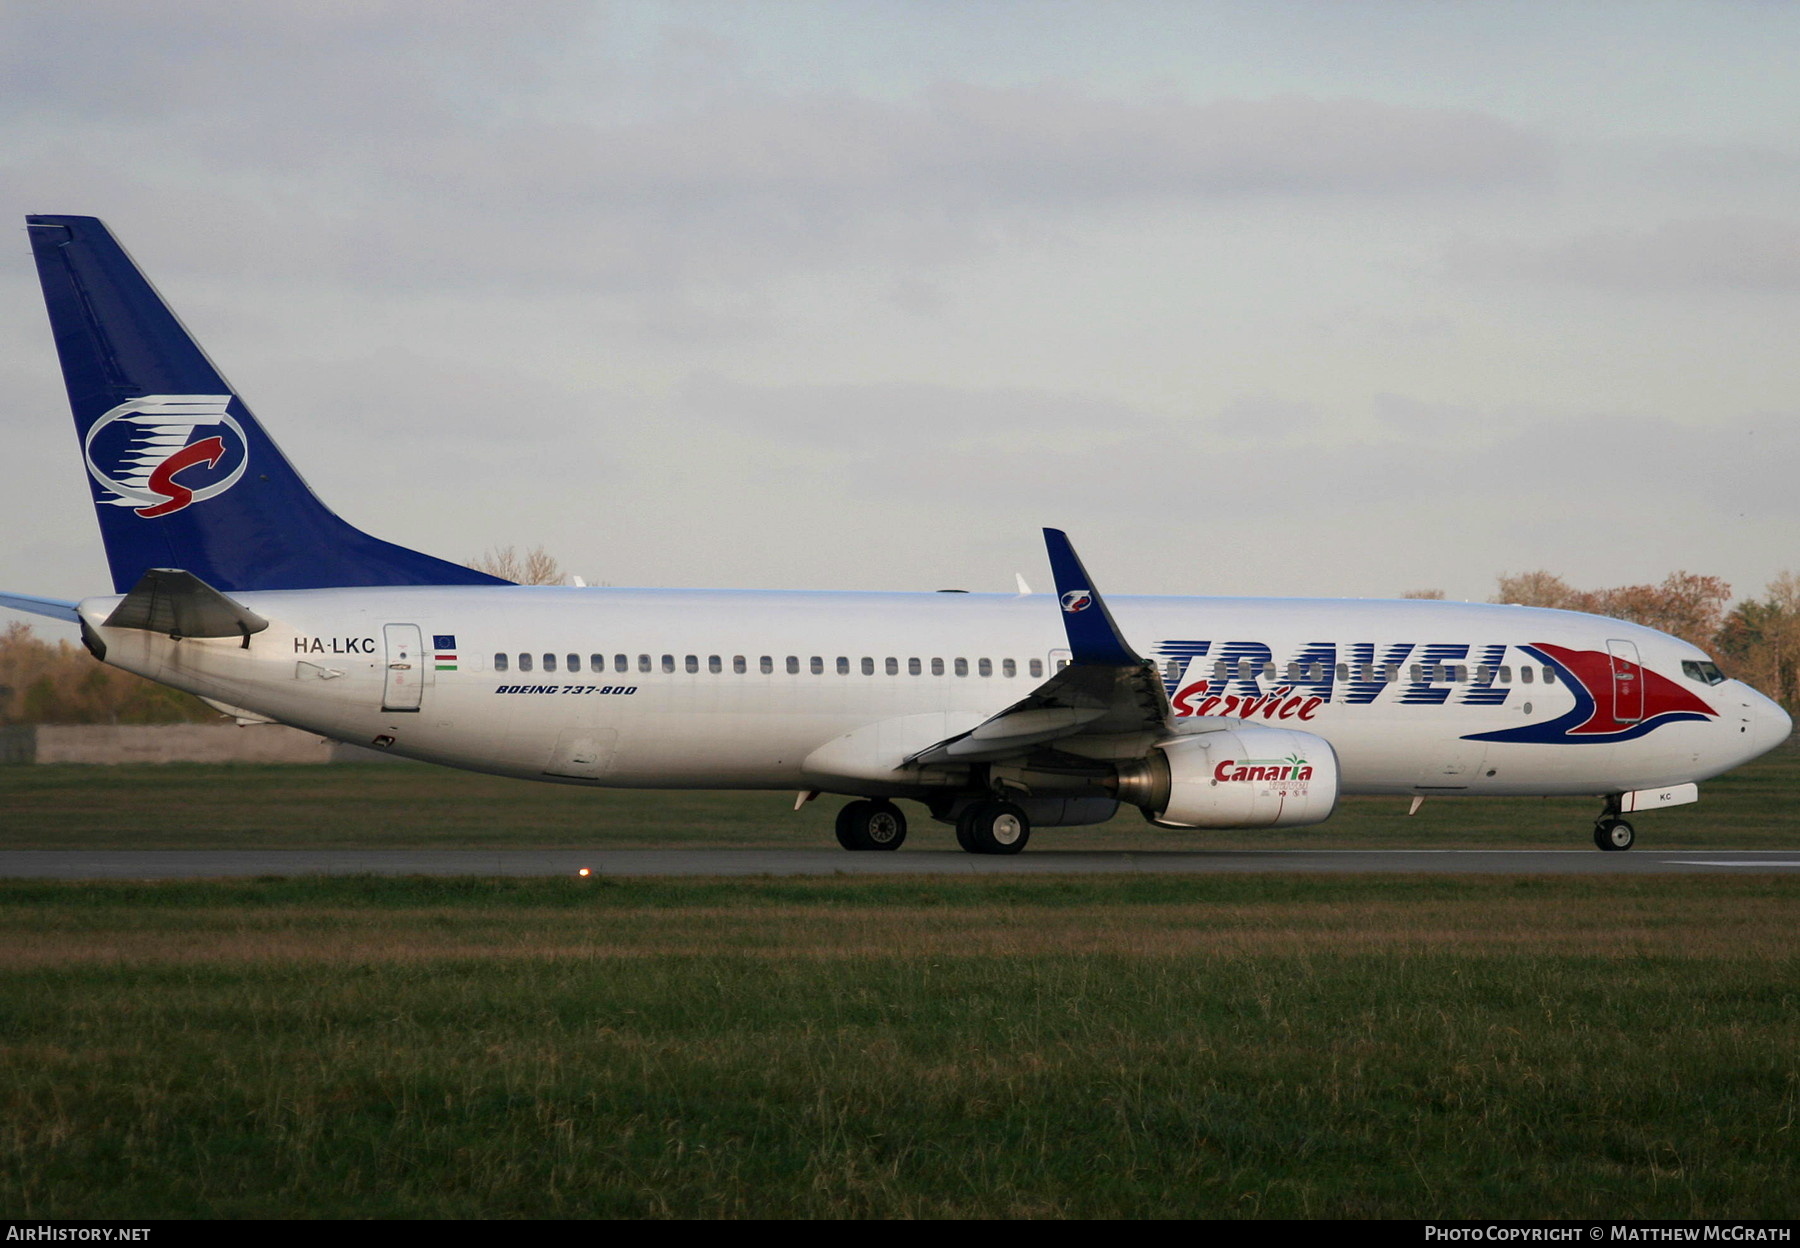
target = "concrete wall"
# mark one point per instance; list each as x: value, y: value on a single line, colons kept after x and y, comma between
x: 173, y: 743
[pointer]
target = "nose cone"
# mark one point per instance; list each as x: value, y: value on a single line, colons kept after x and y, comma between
x: 1766, y: 724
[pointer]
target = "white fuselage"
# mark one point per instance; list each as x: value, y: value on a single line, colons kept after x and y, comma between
x: 728, y: 689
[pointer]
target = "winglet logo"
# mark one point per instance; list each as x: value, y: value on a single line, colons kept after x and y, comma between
x: 165, y: 452
x: 1077, y: 600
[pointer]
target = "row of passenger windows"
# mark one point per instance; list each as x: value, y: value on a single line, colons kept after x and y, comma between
x: 740, y: 665
x: 1368, y: 673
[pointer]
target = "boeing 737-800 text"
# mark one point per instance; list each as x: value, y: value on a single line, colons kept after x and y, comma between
x: 999, y: 713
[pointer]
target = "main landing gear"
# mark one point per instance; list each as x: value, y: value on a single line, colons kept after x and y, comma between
x: 989, y: 826
x: 992, y: 827
x: 1611, y: 832
x: 871, y: 824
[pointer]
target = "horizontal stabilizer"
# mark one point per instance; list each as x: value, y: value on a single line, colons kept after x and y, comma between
x: 168, y: 600
x: 55, y: 608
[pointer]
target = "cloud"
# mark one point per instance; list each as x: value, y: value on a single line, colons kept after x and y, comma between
x: 362, y: 143
x: 759, y: 183
x: 873, y: 417
x: 1689, y: 256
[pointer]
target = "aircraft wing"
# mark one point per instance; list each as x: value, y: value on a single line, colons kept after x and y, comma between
x: 1106, y: 690
x: 55, y: 608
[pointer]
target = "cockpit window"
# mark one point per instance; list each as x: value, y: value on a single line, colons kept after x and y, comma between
x: 1703, y: 673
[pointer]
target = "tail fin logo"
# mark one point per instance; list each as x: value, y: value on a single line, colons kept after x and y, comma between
x: 165, y: 452
x: 1077, y: 600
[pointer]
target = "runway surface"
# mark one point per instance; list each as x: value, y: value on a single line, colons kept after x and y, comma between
x: 108, y: 864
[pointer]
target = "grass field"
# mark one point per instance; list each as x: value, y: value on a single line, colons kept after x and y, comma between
x: 1087, y: 1047
x: 191, y: 806
x: 1165, y: 1046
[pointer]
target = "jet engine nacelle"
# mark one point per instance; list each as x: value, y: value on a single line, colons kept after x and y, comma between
x: 1245, y: 776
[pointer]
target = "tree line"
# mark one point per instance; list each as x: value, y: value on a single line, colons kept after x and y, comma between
x: 1756, y: 640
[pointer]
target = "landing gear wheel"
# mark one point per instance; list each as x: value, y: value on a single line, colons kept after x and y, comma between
x: 871, y: 825
x: 962, y: 831
x: 993, y: 828
x: 1614, y: 834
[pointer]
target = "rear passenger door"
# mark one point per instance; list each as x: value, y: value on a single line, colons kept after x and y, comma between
x: 407, y: 665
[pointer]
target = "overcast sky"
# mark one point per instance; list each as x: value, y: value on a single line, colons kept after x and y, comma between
x: 1263, y: 298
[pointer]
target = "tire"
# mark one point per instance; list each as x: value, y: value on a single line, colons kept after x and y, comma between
x: 962, y: 830
x: 1614, y: 835
x: 871, y: 825
x: 993, y: 828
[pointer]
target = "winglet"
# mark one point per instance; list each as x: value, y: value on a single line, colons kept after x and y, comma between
x: 1093, y: 636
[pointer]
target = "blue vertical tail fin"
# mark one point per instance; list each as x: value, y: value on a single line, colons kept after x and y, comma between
x: 182, y: 474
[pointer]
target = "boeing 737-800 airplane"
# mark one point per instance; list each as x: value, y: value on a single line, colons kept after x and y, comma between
x: 997, y: 712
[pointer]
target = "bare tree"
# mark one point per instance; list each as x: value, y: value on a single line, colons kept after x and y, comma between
x: 536, y: 567
x: 1435, y: 595
x: 1538, y: 589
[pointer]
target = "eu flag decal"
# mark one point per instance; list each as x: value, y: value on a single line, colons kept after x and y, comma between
x: 444, y: 645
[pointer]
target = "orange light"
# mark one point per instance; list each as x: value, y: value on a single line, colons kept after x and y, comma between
x: 583, y: 872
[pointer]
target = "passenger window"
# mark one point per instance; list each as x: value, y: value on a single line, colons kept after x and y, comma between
x: 818, y: 665
x: 868, y: 667
x: 738, y: 665
x: 1037, y: 668
x: 843, y: 666
x: 1061, y: 663
x: 596, y: 662
x: 1418, y: 674
x: 668, y: 663
x: 524, y: 662
x: 1293, y: 671
x: 1343, y: 671
x: 767, y: 664
x: 913, y: 667
x: 693, y: 663
x: 1505, y: 674
x: 1460, y: 673
x: 1525, y: 676
x: 937, y: 667
x: 1484, y: 675
x: 1008, y: 668
x: 714, y: 664
x: 574, y: 662
x: 1549, y: 675
x: 962, y: 667
x: 793, y: 665
x: 893, y: 667
x: 500, y: 662
x: 984, y: 667
x: 643, y: 662
x: 549, y: 662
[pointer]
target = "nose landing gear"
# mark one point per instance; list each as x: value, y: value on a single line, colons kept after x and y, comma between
x: 1612, y: 833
